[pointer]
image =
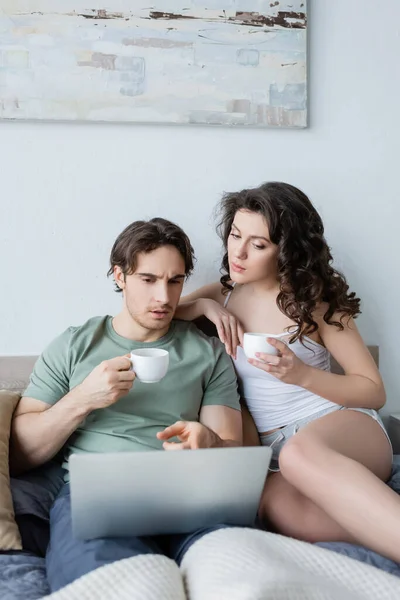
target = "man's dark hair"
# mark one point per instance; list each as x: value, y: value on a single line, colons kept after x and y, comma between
x: 146, y: 236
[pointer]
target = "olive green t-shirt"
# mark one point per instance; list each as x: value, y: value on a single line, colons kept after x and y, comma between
x: 200, y: 374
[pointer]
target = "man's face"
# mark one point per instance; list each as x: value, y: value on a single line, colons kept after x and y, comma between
x: 152, y: 292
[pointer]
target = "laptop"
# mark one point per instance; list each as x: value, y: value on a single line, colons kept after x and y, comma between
x: 159, y: 492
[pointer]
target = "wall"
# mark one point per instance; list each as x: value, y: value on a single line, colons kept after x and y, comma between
x: 68, y: 189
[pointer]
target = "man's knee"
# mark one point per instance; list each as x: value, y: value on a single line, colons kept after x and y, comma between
x: 69, y: 558
x: 61, y: 506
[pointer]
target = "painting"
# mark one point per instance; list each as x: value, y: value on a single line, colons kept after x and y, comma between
x: 213, y: 62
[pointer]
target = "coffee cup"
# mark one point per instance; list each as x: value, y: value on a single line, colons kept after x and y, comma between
x: 150, y: 364
x: 257, y: 342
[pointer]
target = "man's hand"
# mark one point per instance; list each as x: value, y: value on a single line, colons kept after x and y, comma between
x: 107, y: 383
x: 192, y: 436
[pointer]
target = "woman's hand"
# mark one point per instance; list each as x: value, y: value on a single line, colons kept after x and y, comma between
x: 230, y: 331
x: 286, y: 366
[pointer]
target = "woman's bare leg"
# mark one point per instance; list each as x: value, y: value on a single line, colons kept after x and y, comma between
x: 287, y: 511
x: 340, y: 463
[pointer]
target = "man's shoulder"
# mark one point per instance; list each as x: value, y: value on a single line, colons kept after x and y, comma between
x: 195, y: 335
x: 76, y: 333
x: 91, y: 325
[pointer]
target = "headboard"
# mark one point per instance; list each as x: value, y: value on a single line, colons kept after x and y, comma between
x: 15, y: 372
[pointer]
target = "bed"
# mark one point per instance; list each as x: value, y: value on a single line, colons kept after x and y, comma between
x: 23, y: 573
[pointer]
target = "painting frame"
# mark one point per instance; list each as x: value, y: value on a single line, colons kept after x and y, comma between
x: 204, y: 62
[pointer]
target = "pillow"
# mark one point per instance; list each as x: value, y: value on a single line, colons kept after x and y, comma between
x: 33, y: 494
x: 10, y: 538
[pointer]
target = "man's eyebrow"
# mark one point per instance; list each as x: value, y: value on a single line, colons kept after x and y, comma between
x: 153, y: 276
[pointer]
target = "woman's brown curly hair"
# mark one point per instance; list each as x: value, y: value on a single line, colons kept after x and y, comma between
x: 305, y: 274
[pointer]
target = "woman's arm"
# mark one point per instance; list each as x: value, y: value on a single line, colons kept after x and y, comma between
x: 209, y: 301
x: 193, y: 306
x: 361, y: 385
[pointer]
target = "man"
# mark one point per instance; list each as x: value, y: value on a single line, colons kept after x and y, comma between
x: 83, y: 395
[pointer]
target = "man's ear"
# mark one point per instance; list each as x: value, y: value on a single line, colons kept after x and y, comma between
x: 119, y: 277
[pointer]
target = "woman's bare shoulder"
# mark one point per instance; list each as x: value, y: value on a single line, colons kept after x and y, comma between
x: 337, y: 317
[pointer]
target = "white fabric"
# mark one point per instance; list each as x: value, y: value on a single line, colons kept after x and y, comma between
x: 273, y: 403
x: 145, y: 577
x: 237, y: 564
x: 245, y: 564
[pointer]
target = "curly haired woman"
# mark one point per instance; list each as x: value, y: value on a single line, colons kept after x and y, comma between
x: 331, y: 453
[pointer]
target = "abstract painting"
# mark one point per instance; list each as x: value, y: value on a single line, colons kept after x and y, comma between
x: 216, y: 62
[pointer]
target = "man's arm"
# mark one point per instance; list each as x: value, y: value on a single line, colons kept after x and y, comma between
x: 39, y: 430
x: 219, y: 427
x: 225, y: 422
x: 220, y: 418
x: 220, y: 410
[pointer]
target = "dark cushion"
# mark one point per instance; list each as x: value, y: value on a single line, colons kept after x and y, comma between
x: 206, y: 326
x: 33, y: 494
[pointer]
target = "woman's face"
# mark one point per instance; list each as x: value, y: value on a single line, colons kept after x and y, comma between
x: 252, y: 256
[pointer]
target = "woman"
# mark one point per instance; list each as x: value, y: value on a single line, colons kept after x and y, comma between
x: 329, y: 444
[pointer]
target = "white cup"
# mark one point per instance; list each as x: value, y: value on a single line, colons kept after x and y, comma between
x: 150, y: 364
x: 257, y: 342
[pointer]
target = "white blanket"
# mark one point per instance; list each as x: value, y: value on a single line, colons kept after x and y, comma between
x: 237, y: 564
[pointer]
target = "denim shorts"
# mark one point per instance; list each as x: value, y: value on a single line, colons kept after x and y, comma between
x: 278, y: 439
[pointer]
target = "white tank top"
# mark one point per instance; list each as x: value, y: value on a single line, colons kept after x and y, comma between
x: 273, y: 403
